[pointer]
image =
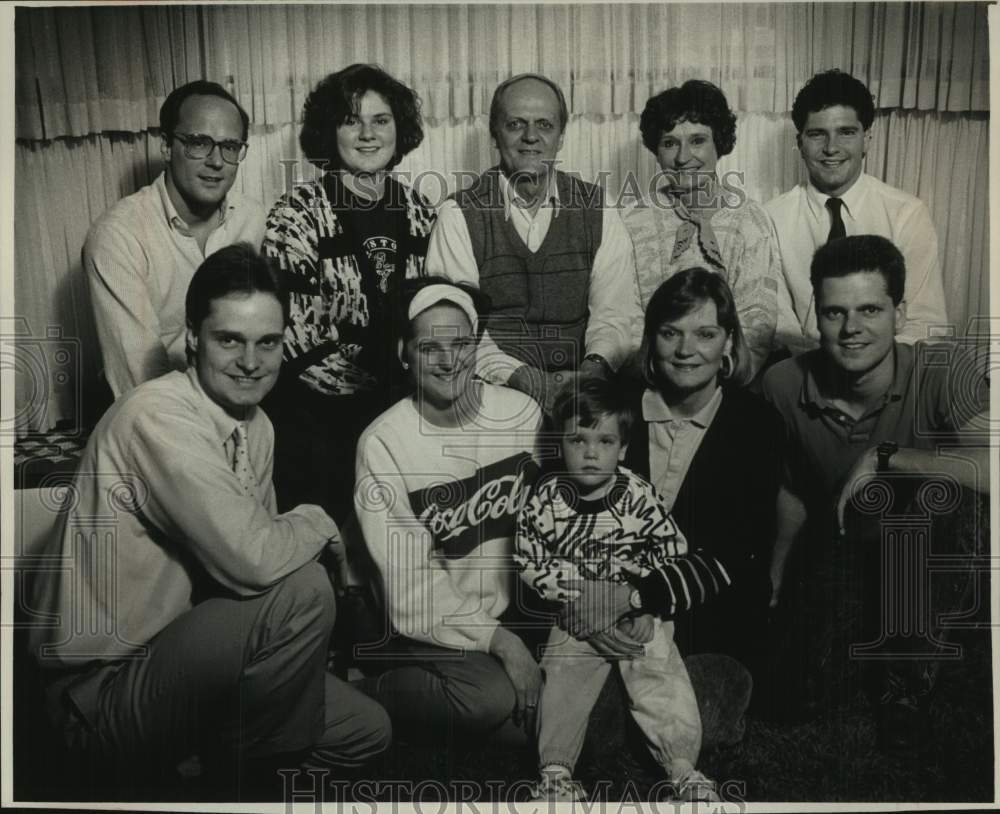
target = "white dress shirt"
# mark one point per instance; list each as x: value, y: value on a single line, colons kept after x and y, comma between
x: 158, y: 510
x: 871, y: 207
x: 613, y: 295
x: 139, y: 257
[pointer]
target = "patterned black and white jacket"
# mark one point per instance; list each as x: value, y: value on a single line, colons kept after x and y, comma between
x: 332, y: 334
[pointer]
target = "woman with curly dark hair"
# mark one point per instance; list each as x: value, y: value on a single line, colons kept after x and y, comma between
x: 344, y: 243
x: 688, y: 218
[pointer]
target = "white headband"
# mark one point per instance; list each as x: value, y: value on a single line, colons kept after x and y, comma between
x: 442, y: 292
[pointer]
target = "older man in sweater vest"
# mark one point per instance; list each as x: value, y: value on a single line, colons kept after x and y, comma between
x: 557, y: 266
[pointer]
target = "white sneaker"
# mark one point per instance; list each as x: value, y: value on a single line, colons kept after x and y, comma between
x: 694, y: 787
x: 559, y: 788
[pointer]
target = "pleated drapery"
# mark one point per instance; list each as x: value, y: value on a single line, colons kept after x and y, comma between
x: 90, y: 82
x: 88, y: 70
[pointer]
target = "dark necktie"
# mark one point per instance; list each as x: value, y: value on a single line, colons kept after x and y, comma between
x: 836, y: 222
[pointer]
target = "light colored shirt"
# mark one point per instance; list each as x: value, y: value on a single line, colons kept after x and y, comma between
x: 438, y: 507
x: 674, y: 441
x: 748, y: 250
x: 871, y: 207
x: 139, y: 257
x: 159, y: 517
x: 612, y: 296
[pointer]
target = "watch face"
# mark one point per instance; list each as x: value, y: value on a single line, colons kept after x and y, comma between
x: 884, y: 452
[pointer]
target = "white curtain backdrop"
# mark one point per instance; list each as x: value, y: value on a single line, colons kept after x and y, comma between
x: 85, y: 142
x: 86, y: 70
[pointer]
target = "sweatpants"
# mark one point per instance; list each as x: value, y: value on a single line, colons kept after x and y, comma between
x: 661, y: 700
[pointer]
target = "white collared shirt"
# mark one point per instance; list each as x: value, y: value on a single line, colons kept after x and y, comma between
x: 613, y: 294
x: 157, y: 466
x: 802, y: 223
x: 140, y: 257
x: 531, y: 227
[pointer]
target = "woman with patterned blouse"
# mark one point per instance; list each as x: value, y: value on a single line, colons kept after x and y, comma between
x: 344, y: 243
x: 690, y: 219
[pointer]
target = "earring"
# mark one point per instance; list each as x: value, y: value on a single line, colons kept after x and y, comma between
x: 406, y: 365
x: 726, y: 371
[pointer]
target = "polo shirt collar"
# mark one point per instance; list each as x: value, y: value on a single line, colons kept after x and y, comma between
x: 655, y: 409
x: 510, y: 194
x: 816, y: 200
x: 223, y: 423
x: 170, y: 211
x: 902, y: 362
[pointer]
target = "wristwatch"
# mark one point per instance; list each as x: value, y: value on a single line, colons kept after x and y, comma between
x: 883, y: 452
x: 635, y: 599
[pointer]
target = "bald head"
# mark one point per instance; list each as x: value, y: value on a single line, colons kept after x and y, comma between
x: 527, y: 119
x: 535, y: 80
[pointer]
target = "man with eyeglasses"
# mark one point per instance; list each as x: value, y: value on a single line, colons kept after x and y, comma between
x: 556, y: 263
x: 141, y: 254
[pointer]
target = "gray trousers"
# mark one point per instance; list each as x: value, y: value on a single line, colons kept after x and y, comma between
x: 242, y: 679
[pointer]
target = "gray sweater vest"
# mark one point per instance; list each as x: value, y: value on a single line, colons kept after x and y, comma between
x: 539, y: 301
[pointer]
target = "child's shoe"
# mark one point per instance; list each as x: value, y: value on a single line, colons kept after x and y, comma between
x: 694, y: 787
x: 557, y: 787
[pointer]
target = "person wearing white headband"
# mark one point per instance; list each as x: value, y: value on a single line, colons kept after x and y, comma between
x: 441, y: 476
x: 444, y: 292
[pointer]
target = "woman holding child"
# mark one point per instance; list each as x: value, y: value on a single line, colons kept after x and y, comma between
x: 594, y: 521
x: 713, y: 451
x: 444, y: 476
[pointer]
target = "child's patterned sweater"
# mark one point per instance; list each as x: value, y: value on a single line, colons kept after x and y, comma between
x: 625, y: 536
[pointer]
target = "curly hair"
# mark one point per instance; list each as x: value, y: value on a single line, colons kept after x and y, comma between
x: 695, y: 101
x: 829, y: 89
x: 338, y: 96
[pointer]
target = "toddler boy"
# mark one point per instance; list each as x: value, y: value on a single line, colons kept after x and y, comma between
x: 596, y: 520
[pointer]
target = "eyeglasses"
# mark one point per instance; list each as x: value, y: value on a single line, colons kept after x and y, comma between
x: 198, y: 146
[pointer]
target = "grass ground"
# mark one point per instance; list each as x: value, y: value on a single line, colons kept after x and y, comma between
x: 834, y: 758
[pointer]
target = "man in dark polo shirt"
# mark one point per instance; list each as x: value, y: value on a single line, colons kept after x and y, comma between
x: 556, y: 265
x: 879, y: 432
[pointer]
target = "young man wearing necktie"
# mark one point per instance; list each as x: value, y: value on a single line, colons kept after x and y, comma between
x: 833, y: 116
x: 188, y: 616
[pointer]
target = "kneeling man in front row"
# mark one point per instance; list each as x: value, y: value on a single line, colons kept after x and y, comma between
x: 187, y: 616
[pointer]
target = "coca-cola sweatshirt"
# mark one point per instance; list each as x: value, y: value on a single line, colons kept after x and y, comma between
x: 438, y: 508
